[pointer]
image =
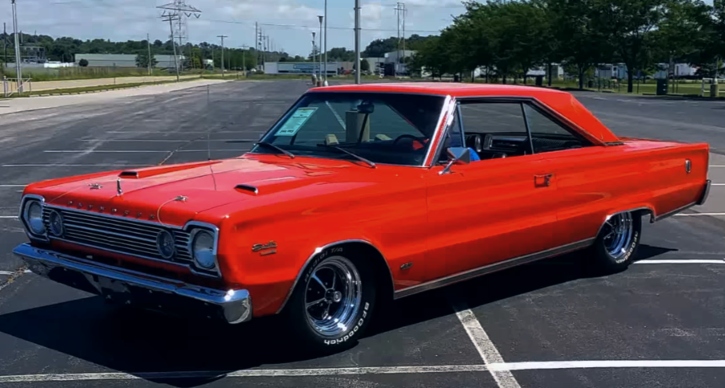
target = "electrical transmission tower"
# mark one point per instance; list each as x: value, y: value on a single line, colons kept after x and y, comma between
x: 400, y: 10
x: 178, y: 11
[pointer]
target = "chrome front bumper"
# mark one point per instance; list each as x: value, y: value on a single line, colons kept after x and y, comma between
x: 137, y: 289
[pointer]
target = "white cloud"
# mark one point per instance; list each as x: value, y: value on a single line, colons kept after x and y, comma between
x: 287, y: 22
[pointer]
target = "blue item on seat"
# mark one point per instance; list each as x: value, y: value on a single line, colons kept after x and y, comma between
x: 474, y: 155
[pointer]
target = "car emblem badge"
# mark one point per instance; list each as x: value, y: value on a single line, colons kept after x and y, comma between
x: 119, y: 191
x: 265, y: 249
x: 95, y: 186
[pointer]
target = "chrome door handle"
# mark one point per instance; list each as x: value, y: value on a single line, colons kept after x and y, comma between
x: 543, y: 180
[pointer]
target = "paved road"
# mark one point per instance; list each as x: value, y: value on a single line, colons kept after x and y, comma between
x: 536, y: 317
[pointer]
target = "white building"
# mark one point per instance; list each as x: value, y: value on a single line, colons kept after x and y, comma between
x: 301, y: 68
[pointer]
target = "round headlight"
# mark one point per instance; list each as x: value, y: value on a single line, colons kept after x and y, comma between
x: 34, y: 217
x: 202, y: 249
x: 165, y: 244
x: 55, y: 223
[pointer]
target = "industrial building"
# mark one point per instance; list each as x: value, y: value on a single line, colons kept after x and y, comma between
x: 333, y: 68
x: 125, y: 60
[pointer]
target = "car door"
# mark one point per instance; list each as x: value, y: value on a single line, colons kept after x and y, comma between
x: 583, y: 173
x: 494, y: 209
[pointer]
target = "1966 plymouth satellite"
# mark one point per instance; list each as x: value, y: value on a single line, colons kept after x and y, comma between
x: 361, y: 194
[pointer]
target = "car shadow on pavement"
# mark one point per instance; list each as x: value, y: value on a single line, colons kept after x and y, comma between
x: 139, y: 342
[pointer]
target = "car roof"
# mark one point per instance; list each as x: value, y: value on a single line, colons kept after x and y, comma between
x: 564, y: 104
x: 455, y: 89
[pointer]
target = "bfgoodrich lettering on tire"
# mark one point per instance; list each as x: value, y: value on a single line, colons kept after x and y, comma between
x: 617, y: 242
x: 332, y: 303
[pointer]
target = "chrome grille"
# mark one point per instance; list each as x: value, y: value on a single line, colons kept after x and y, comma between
x: 117, y: 235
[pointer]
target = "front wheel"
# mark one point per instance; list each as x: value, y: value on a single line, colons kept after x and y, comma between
x: 332, y: 303
x: 617, y: 242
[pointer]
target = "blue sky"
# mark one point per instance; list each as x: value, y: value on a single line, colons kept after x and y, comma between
x: 289, y: 23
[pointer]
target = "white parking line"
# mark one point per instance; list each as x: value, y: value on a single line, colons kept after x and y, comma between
x: 717, y: 184
x: 698, y: 214
x: 495, y: 367
x: 10, y: 186
x: 166, y: 140
x: 8, y: 217
x: 486, y: 349
x: 198, y: 132
x: 136, y: 151
x: 6, y: 273
x: 73, y: 165
x: 676, y: 261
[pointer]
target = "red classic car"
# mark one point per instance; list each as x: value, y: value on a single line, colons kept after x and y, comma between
x: 358, y: 195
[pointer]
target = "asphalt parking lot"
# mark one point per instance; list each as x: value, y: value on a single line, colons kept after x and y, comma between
x: 550, y: 324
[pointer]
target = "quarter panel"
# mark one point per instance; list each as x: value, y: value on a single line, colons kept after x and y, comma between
x: 599, y: 181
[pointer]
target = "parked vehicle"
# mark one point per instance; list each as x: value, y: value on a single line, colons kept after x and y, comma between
x: 358, y: 195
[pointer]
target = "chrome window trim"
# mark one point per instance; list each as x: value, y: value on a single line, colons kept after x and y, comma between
x: 533, y: 103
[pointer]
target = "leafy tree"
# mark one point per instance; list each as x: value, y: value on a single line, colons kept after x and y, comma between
x: 83, y: 63
x: 142, y: 59
x: 628, y: 24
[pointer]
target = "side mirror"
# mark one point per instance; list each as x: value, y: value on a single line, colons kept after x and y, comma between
x: 456, y: 155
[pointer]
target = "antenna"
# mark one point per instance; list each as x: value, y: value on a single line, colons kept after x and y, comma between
x: 208, y: 141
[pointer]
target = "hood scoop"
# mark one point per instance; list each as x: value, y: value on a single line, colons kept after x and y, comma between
x: 148, y: 172
x: 247, y: 188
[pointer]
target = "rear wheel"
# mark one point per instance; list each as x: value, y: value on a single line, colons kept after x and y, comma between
x: 617, y: 242
x: 332, y: 303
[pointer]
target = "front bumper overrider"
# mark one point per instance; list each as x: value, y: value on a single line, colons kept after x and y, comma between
x: 136, y: 288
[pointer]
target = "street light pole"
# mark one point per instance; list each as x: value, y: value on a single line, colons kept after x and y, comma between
x: 357, y: 41
x: 325, y: 83
x: 18, y: 68
x: 319, y: 82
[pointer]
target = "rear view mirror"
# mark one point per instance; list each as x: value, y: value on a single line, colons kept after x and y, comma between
x: 456, y: 155
x: 366, y: 107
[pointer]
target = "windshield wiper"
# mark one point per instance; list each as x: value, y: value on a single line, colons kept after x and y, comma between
x: 270, y: 145
x: 358, y: 157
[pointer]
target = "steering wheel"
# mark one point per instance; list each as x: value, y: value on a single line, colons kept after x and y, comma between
x: 406, y: 135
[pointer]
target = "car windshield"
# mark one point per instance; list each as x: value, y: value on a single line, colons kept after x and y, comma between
x: 380, y: 127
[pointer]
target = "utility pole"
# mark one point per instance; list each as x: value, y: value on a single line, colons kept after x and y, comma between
x: 400, y: 11
x: 357, y: 41
x: 319, y: 82
x: 148, y: 46
x: 18, y: 59
x: 325, y: 48
x: 256, y: 44
x: 222, y: 37
x: 244, y: 58
x: 5, y: 46
x: 170, y: 18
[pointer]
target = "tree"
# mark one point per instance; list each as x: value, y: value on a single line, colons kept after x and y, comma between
x: 628, y: 24
x: 364, y: 65
x: 83, y: 63
x: 142, y: 59
x: 684, y: 33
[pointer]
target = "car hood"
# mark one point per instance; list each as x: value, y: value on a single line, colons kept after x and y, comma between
x: 174, y: 194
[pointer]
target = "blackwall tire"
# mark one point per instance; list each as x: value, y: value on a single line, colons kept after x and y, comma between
x: 616, y: 245
x: 332, y: 304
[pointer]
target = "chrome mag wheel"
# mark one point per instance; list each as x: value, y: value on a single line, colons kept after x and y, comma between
x: 333, y: 296
x: 618, y: 235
